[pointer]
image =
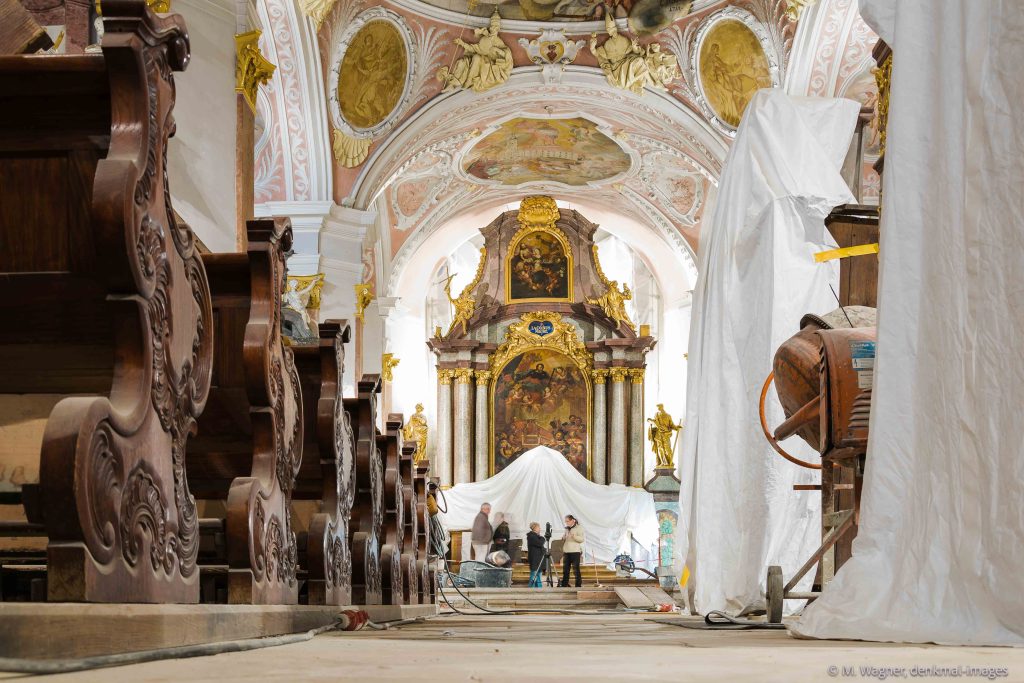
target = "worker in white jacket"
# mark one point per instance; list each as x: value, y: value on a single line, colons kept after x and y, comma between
x: 572, y: 550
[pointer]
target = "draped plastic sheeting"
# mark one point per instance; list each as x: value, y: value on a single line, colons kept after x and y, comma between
x: 757, y: 278
x: 940, y: 552
x: 541, y: 486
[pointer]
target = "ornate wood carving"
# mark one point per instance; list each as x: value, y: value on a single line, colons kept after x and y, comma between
x: 327, y: 472
x: 248, y: 448
x: 111, y: 302
x: 410, y: 522
x: 394, y: 516
x: 367, y: 517
x: 426, y: 585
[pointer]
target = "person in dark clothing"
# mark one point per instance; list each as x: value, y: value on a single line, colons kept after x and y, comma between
x: 572, y: 550
x: 500, y: 539
x: 535, y: 551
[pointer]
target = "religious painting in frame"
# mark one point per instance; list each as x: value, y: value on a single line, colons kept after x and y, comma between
x: 372, y: 75
x: 541, y: 398
x: 538, y: 267
x: 731, y: 63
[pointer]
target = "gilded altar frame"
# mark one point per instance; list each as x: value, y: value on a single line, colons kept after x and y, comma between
x: 520, y: 339
x: 538, y: 214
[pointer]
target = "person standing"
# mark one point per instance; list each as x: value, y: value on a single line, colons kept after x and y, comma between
x: 502, y: 534
x: 482, y: 533
x: 535, y: 547
x: 572, y: 550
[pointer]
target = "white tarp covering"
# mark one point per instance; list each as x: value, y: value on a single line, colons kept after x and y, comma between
x: 757, y: 279
x: 940, y: 554
x: 541, y: 486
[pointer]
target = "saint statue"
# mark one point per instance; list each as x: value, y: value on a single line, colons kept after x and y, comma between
x: 660, y: 433
x: 613, y: 303
x: 484, y: 65
x: 628, y: 66
x: 416, y: 430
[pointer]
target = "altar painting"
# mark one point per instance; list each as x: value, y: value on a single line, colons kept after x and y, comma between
x: 538, y: 268
x: 541, y: 399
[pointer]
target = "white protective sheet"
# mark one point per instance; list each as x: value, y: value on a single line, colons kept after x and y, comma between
x: 940, y: 553
x: 757, y: 279
x: 541, y: 486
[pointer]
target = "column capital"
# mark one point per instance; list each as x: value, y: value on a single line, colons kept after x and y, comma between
x: 619, y: 374
x: 483, y: 377
x: 463, y: 375
x: 599, y: 375
x: 445, y: 376
x: 637, y: 375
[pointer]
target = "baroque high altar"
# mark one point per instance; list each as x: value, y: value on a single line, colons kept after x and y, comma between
x: 541, y: 351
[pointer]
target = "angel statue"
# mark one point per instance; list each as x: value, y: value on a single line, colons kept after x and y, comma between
x: 415, y: 430
x: 300, y: 294
x: 484, y: 65
x: 464, y: 306
x: 613, y: 303
x: 660, y: 433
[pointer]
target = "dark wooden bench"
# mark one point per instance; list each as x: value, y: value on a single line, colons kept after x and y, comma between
x: 107, y: 311
x: 367, y: 518
x: 247, y: 449
x: 327, y: 473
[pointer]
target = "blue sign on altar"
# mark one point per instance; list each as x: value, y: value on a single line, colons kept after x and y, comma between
x: 541, y: 328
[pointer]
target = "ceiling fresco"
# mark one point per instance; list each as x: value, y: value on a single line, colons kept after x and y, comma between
x: 732, y: 67
x: 570, y: 151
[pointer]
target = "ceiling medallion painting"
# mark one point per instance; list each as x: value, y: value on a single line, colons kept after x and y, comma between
x: 521, y: 151
x: 732, y: 65
x: 369, y: 82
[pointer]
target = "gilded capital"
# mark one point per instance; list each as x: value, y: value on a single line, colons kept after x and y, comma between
x: 445, y: 376
x: 364, y: 295
x: 483, y: 377
x: 387, y: 365
x: 600, y: 375
x: 463, y: 375
x: 637, y: 375
x: 252, y: 69
x: 619, y: 374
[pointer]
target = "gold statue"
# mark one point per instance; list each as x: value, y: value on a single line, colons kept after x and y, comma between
x: 660, y: 433
x: 628, y: 66
x: 416, y: 430
x: 613, y: 303
x: 484, y: 65
x: 464, y: 306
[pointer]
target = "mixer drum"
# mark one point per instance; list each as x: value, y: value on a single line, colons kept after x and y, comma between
x: 798, y: 363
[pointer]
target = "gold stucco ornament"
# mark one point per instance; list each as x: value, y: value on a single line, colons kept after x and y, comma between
x: 387, y: 366
x: 350, y: 151
x: 484, y: 65
x: 252, y: 69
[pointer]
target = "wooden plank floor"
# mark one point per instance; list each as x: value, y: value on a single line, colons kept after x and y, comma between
x: 602, y: 647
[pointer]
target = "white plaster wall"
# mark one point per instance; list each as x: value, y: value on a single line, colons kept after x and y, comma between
x: 201, y: 159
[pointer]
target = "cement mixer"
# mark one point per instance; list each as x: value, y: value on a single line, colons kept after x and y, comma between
x: 823, y: 376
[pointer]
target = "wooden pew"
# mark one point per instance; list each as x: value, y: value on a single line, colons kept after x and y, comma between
x: 106, y: 300
x: 427, y: 584
x: 410, y: 523
x: 390, y: 444
x: 327, y: 473
x: 367, y: 519
x: 247, y: 448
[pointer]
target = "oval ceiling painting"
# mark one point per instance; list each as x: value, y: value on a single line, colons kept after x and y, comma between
x: 566, y: 151
x: 372, y: 75
x: 732, y: 67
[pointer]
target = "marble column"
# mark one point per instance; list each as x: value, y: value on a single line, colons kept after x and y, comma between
x: 481, y: 463
x: 636, y: 427
x: 617, y: 428
x: 599, y: 428
x: 463, y: 425
x: 443, y: 454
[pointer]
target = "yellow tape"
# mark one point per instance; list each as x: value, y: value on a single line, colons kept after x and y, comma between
x: 859, y: 250
x: 685, y: 577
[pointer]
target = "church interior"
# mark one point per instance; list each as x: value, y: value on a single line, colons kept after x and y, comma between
x: 409, y: 339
